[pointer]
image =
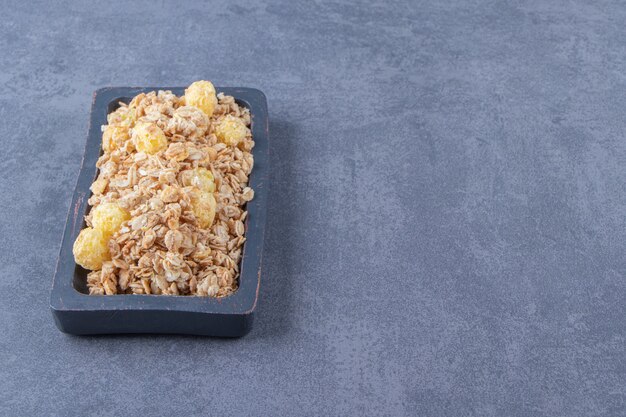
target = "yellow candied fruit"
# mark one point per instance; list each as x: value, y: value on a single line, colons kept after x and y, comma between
x: 108, y: 217
x: 200, y: 178
x: 149, y: 138
x: 204, y: 206
x: 114, y: 137
x: 91, y: 249
x: 231, y: 130
x: 203, y: 179
x: 201, y: 94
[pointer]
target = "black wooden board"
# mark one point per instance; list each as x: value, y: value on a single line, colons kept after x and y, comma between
x: 77, y: 312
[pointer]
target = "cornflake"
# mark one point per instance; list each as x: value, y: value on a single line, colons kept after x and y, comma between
x: 168, y: 205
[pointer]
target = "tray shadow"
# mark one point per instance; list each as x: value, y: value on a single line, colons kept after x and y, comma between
x: 275, y: 307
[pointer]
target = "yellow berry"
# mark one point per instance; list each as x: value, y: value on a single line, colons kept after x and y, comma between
x: 231, y: 130
x: 203, y: 179
x: 201, y: 94
x: 91, y: 249
x: 149, y: 138
x: 114, y: 137
x: 108, y: 217
x: 204, y: 206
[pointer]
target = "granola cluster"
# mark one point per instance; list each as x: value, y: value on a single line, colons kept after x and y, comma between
x: 168, y: 205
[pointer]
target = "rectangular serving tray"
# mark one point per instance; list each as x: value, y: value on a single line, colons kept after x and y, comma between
x: 77, y: 312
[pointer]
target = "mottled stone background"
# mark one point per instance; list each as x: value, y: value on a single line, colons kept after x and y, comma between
x: 446, y: 223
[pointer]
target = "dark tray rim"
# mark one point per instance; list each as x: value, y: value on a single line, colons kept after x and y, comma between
x: 65, y: 297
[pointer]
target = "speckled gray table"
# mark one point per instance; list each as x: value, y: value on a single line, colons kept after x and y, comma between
x: 447, y: 218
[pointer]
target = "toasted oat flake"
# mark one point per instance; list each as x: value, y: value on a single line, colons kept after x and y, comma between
x: 174, y: 188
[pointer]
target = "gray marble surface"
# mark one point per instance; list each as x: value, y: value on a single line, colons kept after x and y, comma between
x: 446, y: 225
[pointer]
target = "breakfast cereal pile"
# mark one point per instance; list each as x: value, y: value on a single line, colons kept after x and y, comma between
x: 168, y: 206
